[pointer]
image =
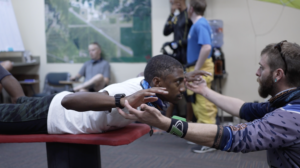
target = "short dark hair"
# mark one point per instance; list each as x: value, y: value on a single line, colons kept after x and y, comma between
x: 199, y: 6
x: 160, y: 66
x: 291, y: 54
x: 97, y: 44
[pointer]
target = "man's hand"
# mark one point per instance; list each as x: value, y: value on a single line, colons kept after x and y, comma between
x: 75, y: 78
x: 195, y: 75
x: 147, y: 114
x: 197, y: 86
x: 140, y: 97
x: 173, y: 6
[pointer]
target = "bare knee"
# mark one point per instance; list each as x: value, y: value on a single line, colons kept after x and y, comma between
x: 98, y: 79
x: 99, y: 82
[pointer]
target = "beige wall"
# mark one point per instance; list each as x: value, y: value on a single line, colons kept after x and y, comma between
x: 31, y: 22
x: 248, y: 26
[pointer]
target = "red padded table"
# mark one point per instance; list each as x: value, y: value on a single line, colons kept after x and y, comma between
x: 71, y: 151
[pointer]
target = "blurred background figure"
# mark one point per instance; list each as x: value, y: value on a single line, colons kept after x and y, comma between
x: 199, y: 52
x: 96, y: 71
x: 179, y: 24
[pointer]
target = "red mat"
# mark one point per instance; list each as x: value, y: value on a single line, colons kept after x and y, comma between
x: 121, y: 136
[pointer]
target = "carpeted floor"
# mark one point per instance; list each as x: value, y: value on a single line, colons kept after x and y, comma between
x: 158, y: 151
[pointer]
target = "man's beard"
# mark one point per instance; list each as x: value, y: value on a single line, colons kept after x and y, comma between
x: 265, y: 87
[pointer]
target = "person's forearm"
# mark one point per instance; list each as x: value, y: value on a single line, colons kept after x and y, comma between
x: 168, y: 29
x: 12, y: 87
x: 203, y: 55
x: 85, y: 101
x: 228, y: 104
x: 202, y: 134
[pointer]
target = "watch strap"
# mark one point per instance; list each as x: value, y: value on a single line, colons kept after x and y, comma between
x: 118, y: 100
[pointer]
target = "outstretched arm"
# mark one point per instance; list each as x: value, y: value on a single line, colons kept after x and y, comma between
x: 203, y: 134
x: 101, y: 101
x: 228, y: 104
x: 245, y: 137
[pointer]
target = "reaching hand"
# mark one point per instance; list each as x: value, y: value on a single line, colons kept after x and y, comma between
x: 195, y: 75
x: 73, y: 78
x: 173, y: 7
x: 140, y: 97
x: 197, y: 86
x: 147, y: 114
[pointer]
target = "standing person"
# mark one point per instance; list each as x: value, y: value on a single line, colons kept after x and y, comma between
x: 273, y: 126
x: 96, y: 71
x: 179, y: 25
x: 199, y: 58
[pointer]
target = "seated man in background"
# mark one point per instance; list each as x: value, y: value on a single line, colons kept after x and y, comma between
x: 96, y: 71
x: 87, y: 112
x: 273, y: 126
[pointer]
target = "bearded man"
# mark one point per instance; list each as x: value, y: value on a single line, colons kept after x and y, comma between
x: 273, y: 126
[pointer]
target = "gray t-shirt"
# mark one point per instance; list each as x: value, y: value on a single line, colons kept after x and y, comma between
x: 92, y: 68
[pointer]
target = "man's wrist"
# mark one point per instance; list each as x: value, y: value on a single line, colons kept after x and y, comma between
x: 122, y: 101
x: 178, y: 127
x: 205, y: 92
x: 118, y: 98
x: 164, y: 123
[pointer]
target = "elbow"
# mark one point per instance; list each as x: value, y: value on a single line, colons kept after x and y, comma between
x: 208, y: 48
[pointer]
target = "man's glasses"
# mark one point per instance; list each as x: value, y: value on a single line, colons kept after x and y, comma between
x: 278, y: 47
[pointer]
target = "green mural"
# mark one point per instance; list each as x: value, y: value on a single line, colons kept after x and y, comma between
x: 290, y: 3
x: 121, y: 27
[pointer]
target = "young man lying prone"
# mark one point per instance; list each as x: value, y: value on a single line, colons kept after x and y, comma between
x: 86, y: 112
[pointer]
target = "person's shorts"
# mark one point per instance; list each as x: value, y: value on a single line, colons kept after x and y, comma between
x: 27, y: 116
